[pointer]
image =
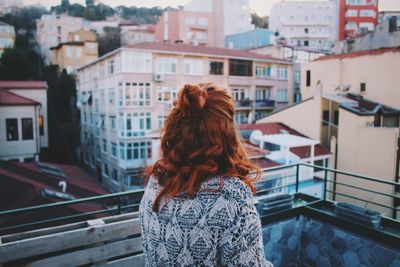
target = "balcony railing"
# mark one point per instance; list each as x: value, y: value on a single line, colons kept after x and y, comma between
x: 115, y: 240
x: 266, y: 103
x: 244, y: 104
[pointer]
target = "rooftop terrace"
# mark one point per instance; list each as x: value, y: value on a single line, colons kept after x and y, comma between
x: 298, y: 229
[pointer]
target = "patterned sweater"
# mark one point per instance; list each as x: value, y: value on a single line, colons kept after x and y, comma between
x: 219, y: 226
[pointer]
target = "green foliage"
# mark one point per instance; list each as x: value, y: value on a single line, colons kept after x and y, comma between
x: 24, y: 18
x: 140, y: 15
x: 110, y: 40
x: 90, y: 12
x: 259, y: 22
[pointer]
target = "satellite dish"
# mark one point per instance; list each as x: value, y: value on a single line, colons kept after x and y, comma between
x: 255, y: 137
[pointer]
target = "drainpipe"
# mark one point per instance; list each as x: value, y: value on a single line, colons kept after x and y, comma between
x: 36, y: 125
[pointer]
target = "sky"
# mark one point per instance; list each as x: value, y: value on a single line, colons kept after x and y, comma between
x: 261, y: 7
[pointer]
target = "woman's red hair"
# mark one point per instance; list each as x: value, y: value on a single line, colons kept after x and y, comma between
x: 200, y: 141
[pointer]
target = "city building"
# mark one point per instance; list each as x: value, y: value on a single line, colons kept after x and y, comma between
x: 52, y: 29
x: 99, y: 26
x: 36, y: 183
x: 371, y: 73
x: 126, y: 95
x: 23, y: 116
x: 297, y: 55
x: 186, y: 27
x: 385, y: 34
x: 80, y: 48
x: 386, y: 15
x: 8, y: 6
x: 357, y: 16
x: 7, y: 37
x: 285, y: 146
x: 138, y: 34
x: 250, y: 39
x: 229, y: 16
x: 311, y: 24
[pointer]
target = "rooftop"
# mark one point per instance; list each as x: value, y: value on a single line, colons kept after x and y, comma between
x: 10, y: 99
x: 365, y: 107
x: 23, y: 85
x: 374, y: 52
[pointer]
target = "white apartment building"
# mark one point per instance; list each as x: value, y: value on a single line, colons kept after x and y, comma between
x: 7, y: 37
x: 52, y: 29
x: 125, y: 96
x: 23, y: 119
x: 229, y: 16
x: 305, y: 23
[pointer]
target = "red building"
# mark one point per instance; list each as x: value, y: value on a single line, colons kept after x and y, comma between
x: 356, y: 14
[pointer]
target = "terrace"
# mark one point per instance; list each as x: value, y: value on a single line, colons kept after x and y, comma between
x: 298, y: 229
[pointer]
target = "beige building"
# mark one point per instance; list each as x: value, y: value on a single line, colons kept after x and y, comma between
x: 23, y: 116
x: 80, y: 48
x: 126, y: 95
x: 374, y: 74
x: 7, y: 37
x: 362, y: 135
x: 138, y: 34
x: 52, y: 29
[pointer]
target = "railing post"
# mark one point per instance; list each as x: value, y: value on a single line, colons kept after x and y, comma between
x: 325, y: 183
x: 119, y: 206
x: 297, y: 178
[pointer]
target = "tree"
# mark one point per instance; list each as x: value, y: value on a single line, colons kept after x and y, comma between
x: 14, y: 65
x: 89, y: 3
x: 110, y: 41
x: 259, y: 22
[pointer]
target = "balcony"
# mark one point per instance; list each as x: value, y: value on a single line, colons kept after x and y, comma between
x: 243, y: 104
x: 265, y: 104
x: 298, y: 229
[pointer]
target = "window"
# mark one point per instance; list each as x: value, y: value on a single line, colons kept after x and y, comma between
x: 203, y: 22
x: 325, y: 118
x: 240, y: 67
x: 166, y: 94
x: 238, y: 94
x: 111, y: 96
x: 305, y: 30
x: 306, y: 43
x: 112, y: 123
x: 201, y: 35
x: 78, y: 52
x: 136, y: 150
x: 282, y: 95
x: 336, y: 117
x: 282, y: 73
x: 111, y: 67
x: 27, y: 129
x: 308, y: 78
x: 241, y: 117
x: 161, y: 120
x: 105, y: 170
x: 166, y: 65
x: 193, y: 66
x: 352, y: 13
x: 134, y: 124
x: 351, y: 26
x: 189, y: 35
x: 297, y: 76
x: 367, y: 25
x: 216, y: 68
x: 136, y: 61
x: 135, y: 179
x: 115, y: 175
x: 12, y: 129
x: 271, y: 147
x: 104, y: 145
x: 363, y: 87
x: 263, y: 93
x: 69, y: 51
x: 190, y: 20
x: 260, y: 72
x: 41, y: 125
x: 114, y: 150
x: 136, y: 94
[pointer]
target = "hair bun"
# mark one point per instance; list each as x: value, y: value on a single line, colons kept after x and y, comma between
x: 191, y: 100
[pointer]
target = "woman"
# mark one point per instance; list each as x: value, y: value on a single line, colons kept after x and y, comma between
x: 197, y: 209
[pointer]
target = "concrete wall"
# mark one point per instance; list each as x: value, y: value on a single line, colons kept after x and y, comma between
x: 367, y: 151
x: 379, y: 71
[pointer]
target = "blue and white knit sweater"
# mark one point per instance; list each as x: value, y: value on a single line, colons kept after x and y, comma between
x: 219, y: 226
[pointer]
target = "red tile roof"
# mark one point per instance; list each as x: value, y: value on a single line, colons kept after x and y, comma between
x: 203, y: 50
x: 373, y: 52
x: 253, y: 151
x: 23, y: 85
x: 279, y: 128
x: 22, y: 185
x: 10, y: 99
x: 264, y: 163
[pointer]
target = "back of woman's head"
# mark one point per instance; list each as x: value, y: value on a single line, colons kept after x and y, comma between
x: 200, y: 140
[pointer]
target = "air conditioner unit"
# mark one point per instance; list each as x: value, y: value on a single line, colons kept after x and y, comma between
x: 158, y: 77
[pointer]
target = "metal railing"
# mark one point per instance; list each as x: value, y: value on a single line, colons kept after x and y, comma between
x: 335, y: 185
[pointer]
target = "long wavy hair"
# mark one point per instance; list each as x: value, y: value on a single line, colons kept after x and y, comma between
x: 200, y: 140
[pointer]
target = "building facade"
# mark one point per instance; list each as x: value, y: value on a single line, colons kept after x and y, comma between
x: 229, y: 16
x: 309, y: 24
x: 186, y: 27
x: 7, y: 37
x: 138, y: 34
x: 80, y: 48
x: 357, y: 16
x: 126, y: 95
x: 297, y: 55
x: 23, y: 120
x: 250, y: 39
x: 52, y: 29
